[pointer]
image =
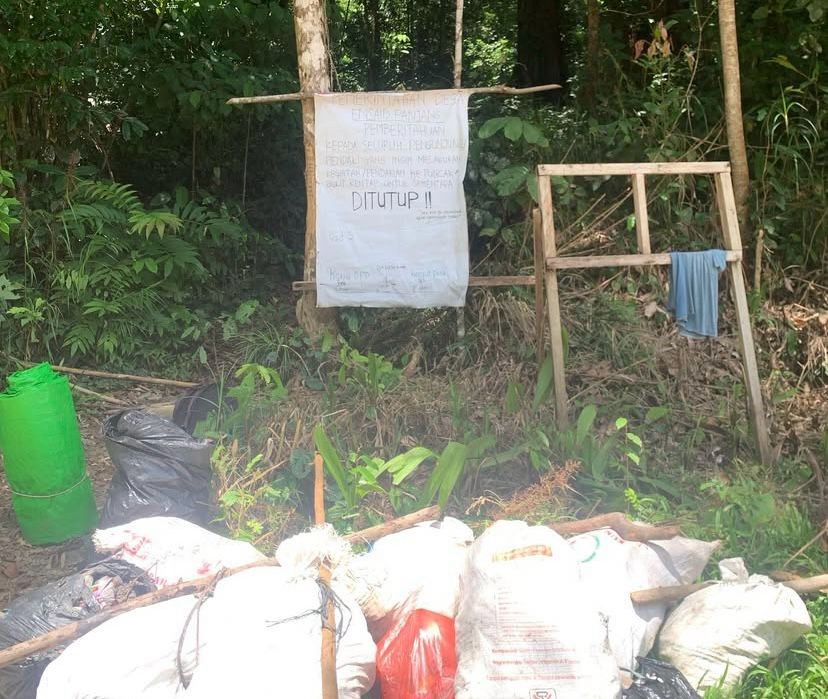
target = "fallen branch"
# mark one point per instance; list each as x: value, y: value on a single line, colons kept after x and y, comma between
x: 108, y: 375
x: 64, y: 634
x: 675, y: 593
x: 100, y: 396
x: 394, y: 525
x: 617, y: 521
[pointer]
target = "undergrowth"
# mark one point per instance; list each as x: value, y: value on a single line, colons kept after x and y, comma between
x: 659, y: 431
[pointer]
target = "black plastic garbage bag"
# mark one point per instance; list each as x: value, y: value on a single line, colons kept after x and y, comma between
x: 160, y: 470
x: 199, y: 403
x: 659, y: 680
x: 54, y: 605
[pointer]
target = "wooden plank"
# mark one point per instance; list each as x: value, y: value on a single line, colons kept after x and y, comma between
x: 537, y: 244
x: 595, y: 261
x: 518, y: 280
x: 733, y: 241
x: 493, y: 90
x: 553, y: 305
x: 690, y: 168
x: 642, y: 222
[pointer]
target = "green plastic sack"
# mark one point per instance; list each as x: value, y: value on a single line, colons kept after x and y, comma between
x: 43, y: 457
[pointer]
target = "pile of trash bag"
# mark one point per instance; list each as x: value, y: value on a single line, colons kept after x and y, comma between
x: 427, y: 613
x: 56, y: 604
x: 160, y: 469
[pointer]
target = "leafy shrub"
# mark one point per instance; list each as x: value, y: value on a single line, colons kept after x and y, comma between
x: 99, y: 274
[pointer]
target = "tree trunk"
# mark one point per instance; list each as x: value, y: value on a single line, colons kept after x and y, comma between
x: 540, y: 45
x: 593, y: 48
x: 314, y: 76
x: 733, y: 111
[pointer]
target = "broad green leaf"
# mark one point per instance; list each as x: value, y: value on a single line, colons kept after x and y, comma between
x: 445, y: 474
x: 532, y: 186
x: 451, y: 464
x: 585, y: 422
x: 512, y: 398
x: 513, y: 128
x: 403, y: 465
x: 333, y: 463
x: 534, y: 135
x: 635, y: 439
x: 544, y: 383
x: 510, y: 180
x: 656, y: 413
x: 492, y: 126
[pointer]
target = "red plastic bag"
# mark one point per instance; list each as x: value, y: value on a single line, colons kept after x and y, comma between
x: 417, y: 660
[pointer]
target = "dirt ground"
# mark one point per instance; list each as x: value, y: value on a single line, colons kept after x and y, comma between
x: 23, y: 566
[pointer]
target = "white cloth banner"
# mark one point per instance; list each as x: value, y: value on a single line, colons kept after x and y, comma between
x: 390, y: 209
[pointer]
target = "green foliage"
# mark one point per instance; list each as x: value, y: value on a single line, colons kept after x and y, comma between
x: 7, y: 204
x: 103, y: 276
x: 371, y: 373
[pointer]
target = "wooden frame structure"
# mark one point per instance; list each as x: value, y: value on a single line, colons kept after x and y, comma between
x: 645, y: 257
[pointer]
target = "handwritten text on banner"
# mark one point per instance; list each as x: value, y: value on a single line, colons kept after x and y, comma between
x: 391, y: 214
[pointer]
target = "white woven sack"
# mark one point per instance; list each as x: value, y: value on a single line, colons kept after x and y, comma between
x: 527, y: 627
x: 717, y: 634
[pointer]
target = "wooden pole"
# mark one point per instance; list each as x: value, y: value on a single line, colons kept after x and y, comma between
x: 108, y: 375
x: 540, y: 269
x: 314, y: 76
x: 674, y: 593
x: 617, y: 521
x: 318, y: 489
x: 642, y: 222
x: 491, y: 90
x: 733, y: 108
x: 553, y: 305
x: 56, y: 637
x: 733, y: 242
x: 488, y: 282
x: 328, y: 647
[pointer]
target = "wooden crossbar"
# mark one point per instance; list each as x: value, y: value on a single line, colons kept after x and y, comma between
x: 643, y: 260
x: 519, y: 280
x: 584, y: 169
x: 645, y: 257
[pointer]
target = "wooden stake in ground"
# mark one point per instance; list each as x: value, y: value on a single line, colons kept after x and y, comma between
x: 733, y: 108
x: 328, y: 650
x: 314, y: 76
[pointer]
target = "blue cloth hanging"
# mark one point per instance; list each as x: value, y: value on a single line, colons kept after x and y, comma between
x: 694, y: 291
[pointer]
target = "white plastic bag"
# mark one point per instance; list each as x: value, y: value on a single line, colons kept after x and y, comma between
x: 173, y: 550
x: 612, y: 568
x: 720, y: 632
x: 417, y: 568
x: 527, y: 627
x: 250, y: 645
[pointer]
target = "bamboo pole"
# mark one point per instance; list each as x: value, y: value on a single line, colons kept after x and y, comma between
x: 674, y: 593
x: 64, y: 634
x: 492, y: 90
x: 108, y: 375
